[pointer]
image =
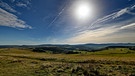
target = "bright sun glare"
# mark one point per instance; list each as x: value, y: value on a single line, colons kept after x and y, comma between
x: 83, y: 11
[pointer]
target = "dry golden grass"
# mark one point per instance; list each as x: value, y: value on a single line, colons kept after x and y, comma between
x: 24, y: 62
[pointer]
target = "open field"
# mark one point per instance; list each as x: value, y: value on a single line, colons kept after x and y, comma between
x: 24, y: 62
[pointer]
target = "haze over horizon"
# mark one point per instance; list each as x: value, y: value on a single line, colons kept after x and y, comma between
x: 28, y: 22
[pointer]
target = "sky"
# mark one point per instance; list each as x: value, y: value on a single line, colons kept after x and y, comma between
x: 33, y: 22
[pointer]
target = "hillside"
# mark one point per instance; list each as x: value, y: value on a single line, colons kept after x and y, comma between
x: 23, y: 61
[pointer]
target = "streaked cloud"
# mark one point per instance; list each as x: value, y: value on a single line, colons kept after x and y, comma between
x: 7, y: 7
x: 108, y: 32
x: 21, y: 4
x: 60, y: 25
x: 7, y: 18
x: 132, y: 25
x: 58, y: 15
x: 105, y: 34
x: 115, y: 15
x: 91, y: 35
x: 11, y: 20
x: 103, y: 31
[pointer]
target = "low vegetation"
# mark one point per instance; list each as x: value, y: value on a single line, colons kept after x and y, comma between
x: 26, y: 62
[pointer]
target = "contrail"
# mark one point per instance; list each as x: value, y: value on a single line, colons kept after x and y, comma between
x: 56, y: 17
x: 59, y: 14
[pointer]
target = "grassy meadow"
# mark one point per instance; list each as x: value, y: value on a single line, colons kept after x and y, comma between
x: 24, y: 62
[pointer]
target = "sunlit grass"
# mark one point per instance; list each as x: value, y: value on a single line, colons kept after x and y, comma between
x: 24, y: 62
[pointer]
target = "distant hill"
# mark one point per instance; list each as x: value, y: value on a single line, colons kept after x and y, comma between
x: 99, y: 46
x: 84, y: 47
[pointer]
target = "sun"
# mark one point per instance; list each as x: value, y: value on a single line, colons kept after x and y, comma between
x: 83, y: 11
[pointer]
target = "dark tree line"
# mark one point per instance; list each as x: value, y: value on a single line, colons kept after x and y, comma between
x: 64, y: 50
x: 55, y: 50
x: 52, y: 49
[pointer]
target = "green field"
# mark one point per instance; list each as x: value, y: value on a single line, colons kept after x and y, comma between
x: 24, y: 62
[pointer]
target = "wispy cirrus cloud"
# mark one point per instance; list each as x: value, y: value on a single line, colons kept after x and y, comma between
x: 91, y: 35
x: 23, y: 3
x: 121, y: 31
x: 11, y: 20
x: 8, y: 17
x: 7, y: 7
x: 115, y: 15
x: 132, y: 25
x: 105, y: 34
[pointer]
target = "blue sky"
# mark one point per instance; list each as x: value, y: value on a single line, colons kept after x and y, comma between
x: 24, y: 22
